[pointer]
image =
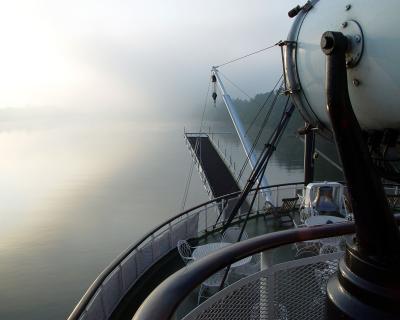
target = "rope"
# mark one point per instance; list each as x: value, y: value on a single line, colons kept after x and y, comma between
x: 248, y: 55
x: 197, y: 145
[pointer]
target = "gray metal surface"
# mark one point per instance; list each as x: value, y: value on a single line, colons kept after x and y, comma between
x: 293, y: 84
x: 291, y: 290
x: 374, y: 94
x: 352, y: 30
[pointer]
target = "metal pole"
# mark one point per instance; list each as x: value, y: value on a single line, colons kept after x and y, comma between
x: 239, y: 127
x: 309, y: 148
x: 368, y: 282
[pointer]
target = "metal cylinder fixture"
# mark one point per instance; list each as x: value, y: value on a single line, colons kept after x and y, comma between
x: 372, y: 60
x: 368, y: 283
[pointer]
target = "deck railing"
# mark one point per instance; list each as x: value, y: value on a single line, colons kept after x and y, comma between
x: 102, y: 297
x: 196, y: 162
x: 163, y: 302
x: 120, y: 276
x: 289, y: 290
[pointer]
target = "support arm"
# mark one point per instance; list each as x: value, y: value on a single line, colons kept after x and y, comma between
x: 367, y: 285
x: 237, y: 122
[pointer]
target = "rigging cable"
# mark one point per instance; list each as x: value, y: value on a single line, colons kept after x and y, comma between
x: 260, y: 132
x: 263, y: 105
x: 254, y: 119
x: 248, y: 55
x: 255, y: 142
x: 234, y: 84
x: 221, y: 286
x: 263, y: 160
x: 264, y: 123
x: 197, y: 145
x: 274, y: 133
x: 266, y: 119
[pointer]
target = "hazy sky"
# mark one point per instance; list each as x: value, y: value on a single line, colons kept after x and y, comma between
x: 145, y: 56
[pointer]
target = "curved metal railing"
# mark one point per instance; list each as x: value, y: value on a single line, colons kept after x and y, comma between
x: 119, y: 277
x: 294, y: 289
x: 162, y: 303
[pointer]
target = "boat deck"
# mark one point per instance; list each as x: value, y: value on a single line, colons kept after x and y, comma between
x: 122, y: 287
x: 257, y: 225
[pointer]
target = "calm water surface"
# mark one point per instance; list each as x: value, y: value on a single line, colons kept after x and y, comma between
x: 75, y: 195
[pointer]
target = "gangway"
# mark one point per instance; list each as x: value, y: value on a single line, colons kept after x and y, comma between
x: 215, y: 173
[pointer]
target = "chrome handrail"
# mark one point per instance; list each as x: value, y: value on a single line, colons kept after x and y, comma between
x: 89, y: 294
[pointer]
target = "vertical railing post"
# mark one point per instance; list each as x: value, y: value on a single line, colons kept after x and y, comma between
x: 170, y: 235
x: 187, y: 223
x: 120, y: 280
x: 101, y: 296
x: 309, y: 148
x: 152, y: 247
x: 206, y: 218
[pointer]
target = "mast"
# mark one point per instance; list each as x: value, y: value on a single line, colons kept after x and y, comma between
x: 251, y: 155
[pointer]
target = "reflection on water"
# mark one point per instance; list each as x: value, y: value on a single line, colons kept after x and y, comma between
x: 73, y: 199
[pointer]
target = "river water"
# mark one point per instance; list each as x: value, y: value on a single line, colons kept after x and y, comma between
x: 73, y: 197
x: 75, y: 194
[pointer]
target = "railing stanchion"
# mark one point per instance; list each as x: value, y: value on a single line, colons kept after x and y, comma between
x: 103, y: 306
x: 170, y: 235
x: 152, y: 247
x: 206, y: 214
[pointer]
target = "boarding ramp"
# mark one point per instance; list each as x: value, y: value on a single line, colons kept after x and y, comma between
x: 215, y: 173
